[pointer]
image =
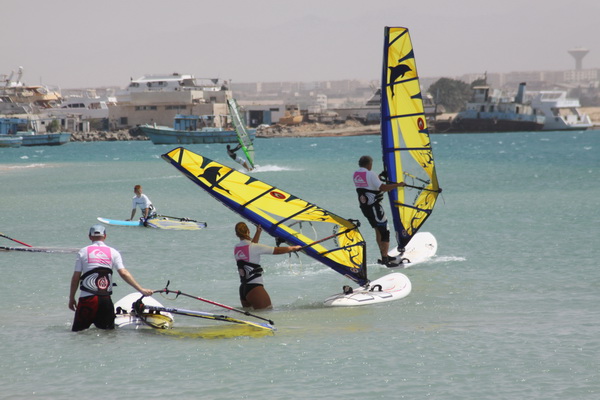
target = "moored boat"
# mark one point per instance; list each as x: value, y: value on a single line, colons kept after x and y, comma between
x: 491, y: 111
x: 11, y: 141
x: 562, y: 113
x: 26, y: 130
x: 189, y: 129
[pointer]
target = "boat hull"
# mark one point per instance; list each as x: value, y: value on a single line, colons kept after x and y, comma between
x: 165, y: 135
x: 46, y: 139
x: 495, y: 125
x: 10, y: 141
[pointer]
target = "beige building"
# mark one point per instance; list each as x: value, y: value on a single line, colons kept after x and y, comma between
x: 156, y: 99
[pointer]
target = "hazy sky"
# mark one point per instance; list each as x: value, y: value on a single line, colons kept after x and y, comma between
x: 81, y: 43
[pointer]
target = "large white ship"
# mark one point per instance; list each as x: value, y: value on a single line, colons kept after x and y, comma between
x: 561, y: 113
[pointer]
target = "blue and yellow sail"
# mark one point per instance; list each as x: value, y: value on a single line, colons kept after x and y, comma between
x: 242, y: 133
x: 337, y: 242
x: 407, y: 154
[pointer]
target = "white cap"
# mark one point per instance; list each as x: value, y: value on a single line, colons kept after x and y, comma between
x: 97, y: 230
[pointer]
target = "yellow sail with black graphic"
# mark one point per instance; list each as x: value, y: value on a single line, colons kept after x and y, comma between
x: 332, y: 240
x: 407, y: 154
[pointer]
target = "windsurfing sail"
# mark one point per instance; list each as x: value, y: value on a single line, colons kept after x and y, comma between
x: 240, y: 128
x: 407, y: 154
x: 206, y: 315
x: 337, y: 242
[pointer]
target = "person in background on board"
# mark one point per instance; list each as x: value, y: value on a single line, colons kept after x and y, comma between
x: 247, y: 255
x: 370, y: 191
x: 231, y: 153
x: 143, y: 202
x: 93, y: 276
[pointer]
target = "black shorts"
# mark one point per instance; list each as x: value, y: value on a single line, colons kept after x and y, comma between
x: 245, y: 288
x: 98, y: 310
x: 374, y: 214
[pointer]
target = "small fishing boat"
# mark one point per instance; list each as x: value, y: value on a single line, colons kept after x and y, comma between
x: 27, y: 130
x: 191, y: 129
x: 11, y: 141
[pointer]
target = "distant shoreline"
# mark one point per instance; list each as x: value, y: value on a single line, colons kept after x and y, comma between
x: 275, y: 131
x: 350, y: 128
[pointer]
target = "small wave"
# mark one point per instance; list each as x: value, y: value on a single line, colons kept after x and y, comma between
x: 25, y: 166
x: 448, y: 259
x: 271, y: 168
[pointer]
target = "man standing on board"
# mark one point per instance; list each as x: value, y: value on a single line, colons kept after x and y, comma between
x: 93, y: 275
x: 370, y: 191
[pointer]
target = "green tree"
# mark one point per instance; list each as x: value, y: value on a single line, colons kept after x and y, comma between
x: 451, y: 93
x: 53, y: 126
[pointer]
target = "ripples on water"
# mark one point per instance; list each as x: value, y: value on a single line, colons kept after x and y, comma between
x: 507, y: 308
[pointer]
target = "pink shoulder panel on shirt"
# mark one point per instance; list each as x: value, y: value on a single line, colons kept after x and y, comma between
x: 360, y: 179
x: 242, y: 252
x: 99, y: 255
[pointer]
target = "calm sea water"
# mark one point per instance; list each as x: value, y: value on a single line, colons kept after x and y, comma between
x: 509, y: 307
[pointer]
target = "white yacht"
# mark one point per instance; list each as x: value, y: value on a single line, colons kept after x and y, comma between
x: 561, y: 113
x: 87, y: 104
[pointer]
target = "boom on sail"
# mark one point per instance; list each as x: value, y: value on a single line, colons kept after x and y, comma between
x: 406, y: 146
x: 337, y: 242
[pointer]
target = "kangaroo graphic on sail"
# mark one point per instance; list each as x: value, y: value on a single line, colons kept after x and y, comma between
x: 406, y: 147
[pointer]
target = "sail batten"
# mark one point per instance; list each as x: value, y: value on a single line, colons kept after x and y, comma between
x: 406, y: 145
x: 278, y: 213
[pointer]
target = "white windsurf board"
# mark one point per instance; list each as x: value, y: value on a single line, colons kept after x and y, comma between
x: 125, y: 318
x: 160, y: 223
x: 421, y: 248
x: 390, y: 287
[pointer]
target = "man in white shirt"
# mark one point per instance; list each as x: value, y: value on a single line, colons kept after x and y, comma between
x: 370, y: 191
x: 93, y: 276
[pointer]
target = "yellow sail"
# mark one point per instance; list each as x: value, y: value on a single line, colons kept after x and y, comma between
x: 407, y: 154
x: 336, y: 242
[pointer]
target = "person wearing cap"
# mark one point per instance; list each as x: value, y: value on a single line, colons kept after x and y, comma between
x: 93, y: 276
x: 247, y: 256
x: 143, y: 202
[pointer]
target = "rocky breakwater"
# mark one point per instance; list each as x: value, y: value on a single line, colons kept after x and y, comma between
x: 106, y: 136
x: 348, y: 128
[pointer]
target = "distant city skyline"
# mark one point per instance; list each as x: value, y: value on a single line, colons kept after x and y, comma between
x: 74, y: 43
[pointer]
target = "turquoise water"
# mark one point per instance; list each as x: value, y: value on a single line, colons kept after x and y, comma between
x: 509, y: 307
